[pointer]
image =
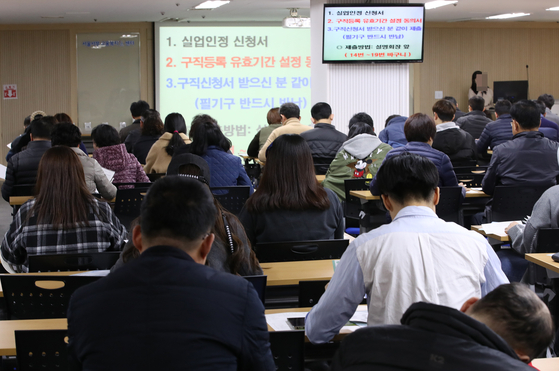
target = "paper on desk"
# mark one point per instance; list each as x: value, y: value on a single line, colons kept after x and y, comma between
x: 278, y: 321
x: 3, y: 171
x: 497, y: 228
x: 108, y: 173
x: 9, y: 145
x: 100, y: 273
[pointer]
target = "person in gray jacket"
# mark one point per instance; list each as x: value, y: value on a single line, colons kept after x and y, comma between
x: 67, y: 134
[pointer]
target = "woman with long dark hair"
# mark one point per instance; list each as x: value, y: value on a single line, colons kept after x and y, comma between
x: 162, y: 151
x: 63, y: 217
x: 486, y: 95
x: 290, y: 205
x: 151, y: 128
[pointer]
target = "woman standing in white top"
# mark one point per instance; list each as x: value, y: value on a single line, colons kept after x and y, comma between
x: 486, y: 95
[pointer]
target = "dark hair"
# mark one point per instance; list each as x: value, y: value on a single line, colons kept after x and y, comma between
x: 547, y: 99
x: 200, y: 119
x: 477, y: 103
x: 526, y: 113
x: 474, y: 85
x: 66, y: 134
x: 27, y: 121
x: 179, y: 208
x: 290, y: 110
x: 541, y: 106
x: 105, y: 135
x: 451, y: 100
x: 138, y: 108
x: 444, y: 109
x: 151, y: 123
x: 517, y: 315
x: 62, y: 117
x: 288, y: 181
x: 273, y: 116
x: 502, y: 107
x: 359, y: 128
x: 362, y: 117
x: 419, y: 128
x: 174, y: 124
x: 389, y: 118
x: 63, y: 199
x: 207, y: 134
x: 42, y: 127
x: 321, y: 111
x: 408, y: 176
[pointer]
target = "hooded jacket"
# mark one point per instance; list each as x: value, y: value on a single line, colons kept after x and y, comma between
x: 456, y: 143
x: 431, y: 337
x: 125, y: 165
x: 352, y: 161
x: 393, y: 133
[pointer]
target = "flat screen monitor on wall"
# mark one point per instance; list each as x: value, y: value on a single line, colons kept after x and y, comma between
x: 373, y: 33
x: 510, y: 90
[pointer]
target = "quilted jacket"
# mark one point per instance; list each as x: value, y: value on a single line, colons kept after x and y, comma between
x: 457, y: 144
x: 549, y: 129
x: 23, y: 166
x: 95, y: 178
x: 226, y: 170
x: 495, y: 133
x: 324, y: 141
x: 125, y: 165
x: 473, y: 122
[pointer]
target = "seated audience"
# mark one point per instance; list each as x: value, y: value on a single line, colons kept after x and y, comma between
x: 496, y: 132
x: 151, y: 129
x: 502, y: 331
x: 458, y: 113
x: 417, y: 257
x: 393, y: 133
x: 69, y: 135
x: 549, y: 129
x: 474, y: 121
x: 64, y: 217
x: 420, y: 130
x: 274, y: 122
x: 22, y: 167
x: 549, y: 101
x: 182, y: 315
x: 162, y: 151
x: 457, y: 144
x: 291, y: 124
x: 63, y: 117
x: 136, y: 110
x: 209, y: 142
x: 323, y: 140
x: 111, y: 154
x: 26, y: 123
x: 290, y: 205
x: 25, y: 138
x: 231, y: 251
x: 359, y: 157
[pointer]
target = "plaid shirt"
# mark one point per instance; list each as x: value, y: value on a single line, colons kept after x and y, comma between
x: 105, y: 232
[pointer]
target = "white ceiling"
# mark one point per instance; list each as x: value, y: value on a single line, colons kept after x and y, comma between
x: 85, y: 11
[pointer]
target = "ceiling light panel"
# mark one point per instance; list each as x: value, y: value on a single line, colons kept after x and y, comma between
x: 508, y: 15
x: 211, y: 4
x: 438, y: 4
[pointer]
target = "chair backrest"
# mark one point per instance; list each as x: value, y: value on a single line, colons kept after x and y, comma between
x: 450, y: 202
x: 154, y: 176
x: 548, y: 240
x: 310, y: 292
x: 288, y: 350
x: 514, y: 202
x: 232, y: 198
x: 23, y: 190
x: 271, y: 252
x: 73, y: 262
x: 128, y: 203
x: 471, y: 176
x: 259, y: 284
x: 353, y: 205
x: 36, y: 297
x: 42, y: 349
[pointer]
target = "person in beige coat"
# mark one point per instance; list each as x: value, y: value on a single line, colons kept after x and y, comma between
x: 290, y: 120
x: 160, y: 154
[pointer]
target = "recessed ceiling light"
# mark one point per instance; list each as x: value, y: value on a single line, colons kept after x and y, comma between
x: 508, y: 15
x: 554, y: 8
x: 438, y: 4
x: 51, y: 16
x: 211, y: 4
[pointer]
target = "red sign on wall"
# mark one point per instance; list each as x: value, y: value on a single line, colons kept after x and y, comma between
x: 10, y: 91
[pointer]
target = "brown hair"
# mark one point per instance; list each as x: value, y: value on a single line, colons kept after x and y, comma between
x: 444, y: 109
x: 288, y: 181
x: 273, y: 116
x: 63, y: 117
x: 152, y: 125
x: 419, y: 128
x: 63, y: 199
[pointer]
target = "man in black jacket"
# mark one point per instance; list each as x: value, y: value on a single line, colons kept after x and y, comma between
x: 474, y: 121
x: 504, y: 330
x: 166, y: 309
x: 496, y: 132
x: 136, y: 110
x: 23, y: 166
x: 324, y: 139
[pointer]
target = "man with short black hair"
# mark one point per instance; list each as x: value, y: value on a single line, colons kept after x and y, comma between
x: 69, y: 135
x: 324, y: 140
x: 22, y: 167
x: 549, y: 101
x: 136, y: 110
x: 417, y: 257
x: 496, y: 132
x: 291, y: 124
x: 549, y: 129
x: 502, y: 331
x: 166, y: 309
x: 458, y: 112
x: 474, y: 121
x: 362, y: 117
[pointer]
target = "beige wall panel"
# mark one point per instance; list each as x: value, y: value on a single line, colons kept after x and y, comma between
x: 38, y: 62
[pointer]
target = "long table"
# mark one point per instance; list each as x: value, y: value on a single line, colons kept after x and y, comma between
x: 499, y: 237
x: 366, y: 195
x: 543, y: 260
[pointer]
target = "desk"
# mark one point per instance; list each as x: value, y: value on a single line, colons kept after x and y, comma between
x: 543, y: 260
x: 320, y: 178
x: 499, y: 237
x: 546, y: 364
x: 7, y: 328
x: 290, y: 273
x: 366, y: 195
x: 19, y: 200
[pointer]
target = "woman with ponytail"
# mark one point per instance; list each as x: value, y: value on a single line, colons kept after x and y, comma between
x: 162, y: 151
